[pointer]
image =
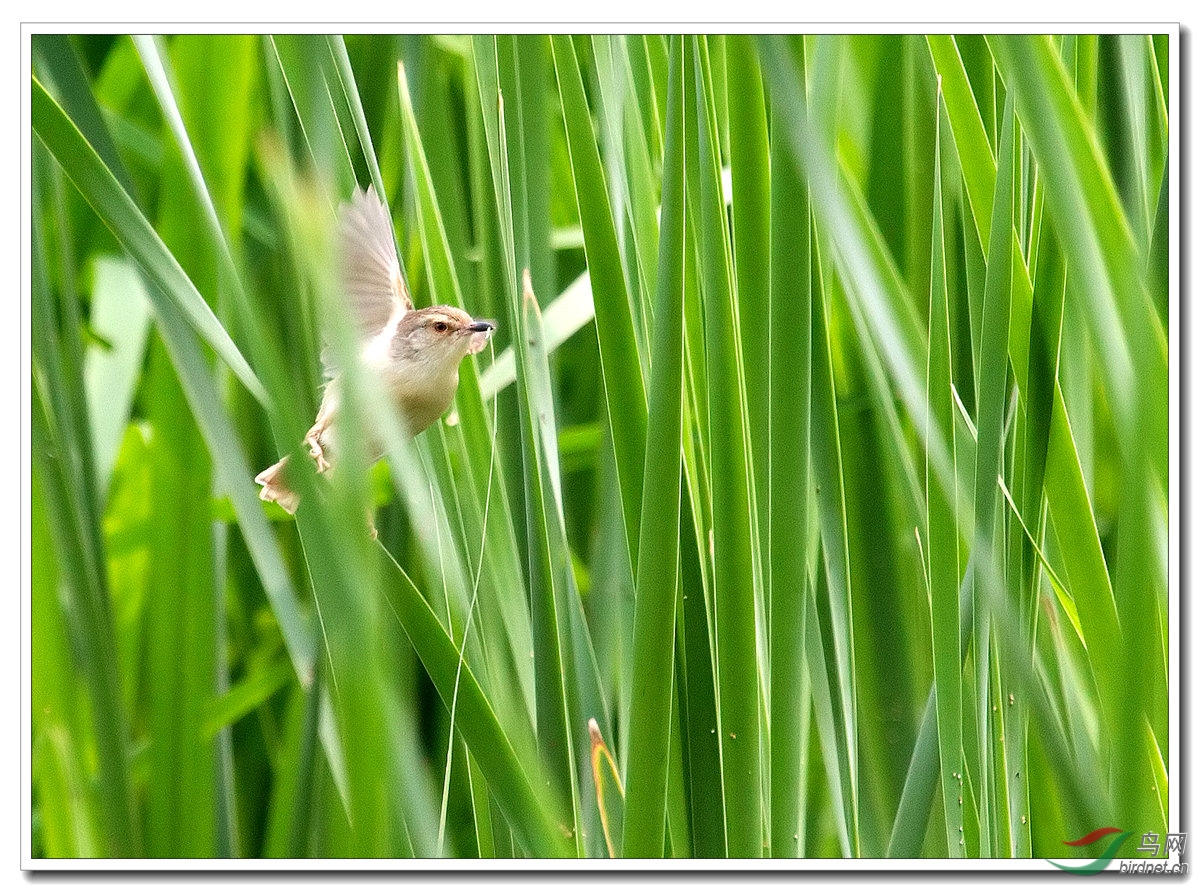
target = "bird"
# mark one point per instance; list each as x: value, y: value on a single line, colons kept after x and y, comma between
x: 415, y: 352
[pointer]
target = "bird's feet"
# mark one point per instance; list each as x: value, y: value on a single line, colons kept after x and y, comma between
x: 313, y: 441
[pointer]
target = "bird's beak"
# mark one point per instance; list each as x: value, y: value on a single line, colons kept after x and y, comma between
x: 481, y: 332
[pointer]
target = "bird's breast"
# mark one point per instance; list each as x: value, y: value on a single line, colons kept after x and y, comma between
x: 423, y: 401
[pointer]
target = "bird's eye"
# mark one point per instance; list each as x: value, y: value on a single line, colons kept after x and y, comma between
x: 440, y: 326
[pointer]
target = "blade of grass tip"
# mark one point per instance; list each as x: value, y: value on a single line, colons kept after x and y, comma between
x: 447, y: 146
x: 920, y: 781
x: 826, y: 707
x: 563, y: 317
x: 966, y: 125
x: 524, y: 81
x: 1045, y: 341
x: 912, y: 815
x: 679, y: 828
x: 489, y: 261
x: 657, y: 581
x: 607, y: 778
x: 481, y: 810
x: 942, y: 534
x: 1065, y: 600
x: 491, y: 104
x: 734, y: 578
x: 788, y: 485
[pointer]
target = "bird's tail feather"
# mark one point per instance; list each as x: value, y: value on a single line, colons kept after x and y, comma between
x: 275, y: 488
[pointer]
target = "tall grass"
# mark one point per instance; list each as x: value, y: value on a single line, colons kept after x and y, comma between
x: 821, y: 462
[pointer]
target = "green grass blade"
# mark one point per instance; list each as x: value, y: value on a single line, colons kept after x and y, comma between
x: 1099, y: 243
x: 625, y: 392
x: 509, y: 781
x: 966, y: 124
x: 469, y: 441
x: 313, y: 86
x: 56, y: 55
x: 751, y: 242
x: 789, y: 486
x: 657, y: 581
x: 118, y: 211
x: 563, y: 317
x: 942, y: 533
x: 734, y: 584
x: 180, y: 632
x: 833, y: 593
x: 564, y: 669
x: 909, y: 544
x: 63, y: 473
x: 992, y: 380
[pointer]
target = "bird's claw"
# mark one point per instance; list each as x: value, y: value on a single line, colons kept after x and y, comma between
x: 313, y: 441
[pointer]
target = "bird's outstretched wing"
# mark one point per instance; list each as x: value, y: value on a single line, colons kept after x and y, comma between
x: 374, y: 290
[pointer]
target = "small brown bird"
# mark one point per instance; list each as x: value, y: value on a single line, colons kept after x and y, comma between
x: 415, y: 353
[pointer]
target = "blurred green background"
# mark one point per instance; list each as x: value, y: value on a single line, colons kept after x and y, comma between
x: 821, y: 459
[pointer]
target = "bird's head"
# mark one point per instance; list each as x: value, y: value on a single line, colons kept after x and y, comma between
x: 435, y: 339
